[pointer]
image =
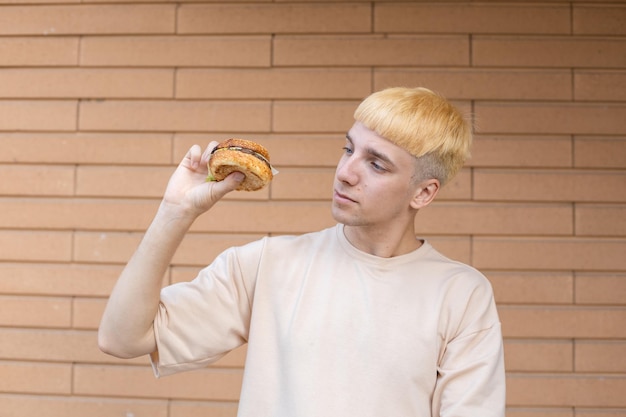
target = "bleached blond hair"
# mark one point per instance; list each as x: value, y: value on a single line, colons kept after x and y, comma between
x: 423, y: 123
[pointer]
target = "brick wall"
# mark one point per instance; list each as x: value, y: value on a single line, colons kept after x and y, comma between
x: 99, y: 100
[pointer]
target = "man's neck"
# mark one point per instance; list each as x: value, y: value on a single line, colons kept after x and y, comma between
x: 385, y: 243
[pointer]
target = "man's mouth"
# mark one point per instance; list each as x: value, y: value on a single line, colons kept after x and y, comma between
x: 339, y: 197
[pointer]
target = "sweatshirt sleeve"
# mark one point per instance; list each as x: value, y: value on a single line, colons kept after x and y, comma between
x: 471, y: 377
x: 200, y: 321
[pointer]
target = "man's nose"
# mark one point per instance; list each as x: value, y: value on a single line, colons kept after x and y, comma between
x: 346, y: 171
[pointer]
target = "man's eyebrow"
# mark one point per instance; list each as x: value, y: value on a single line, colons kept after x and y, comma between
x: 379, y: 155
x: 372, y: 151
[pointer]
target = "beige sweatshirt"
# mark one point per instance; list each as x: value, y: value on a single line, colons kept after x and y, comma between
x: 336, y: 332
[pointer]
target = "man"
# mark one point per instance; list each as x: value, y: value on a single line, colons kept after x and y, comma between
x: 361, y: 319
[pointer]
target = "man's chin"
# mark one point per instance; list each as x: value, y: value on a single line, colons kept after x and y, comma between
x: 341, y: 216
x: 337, y: 214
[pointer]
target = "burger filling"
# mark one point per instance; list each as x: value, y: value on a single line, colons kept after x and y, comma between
x: 244, y: 150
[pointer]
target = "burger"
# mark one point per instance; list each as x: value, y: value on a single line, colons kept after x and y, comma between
x: 245, y: 156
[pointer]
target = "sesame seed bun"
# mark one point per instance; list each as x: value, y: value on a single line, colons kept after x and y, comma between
x: 245, y: 156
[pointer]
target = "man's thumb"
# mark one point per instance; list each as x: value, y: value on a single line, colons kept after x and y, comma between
x: 235, y: 178
x: 232, y: 181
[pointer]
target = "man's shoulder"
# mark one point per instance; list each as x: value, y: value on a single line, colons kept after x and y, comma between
x: 456, y: 271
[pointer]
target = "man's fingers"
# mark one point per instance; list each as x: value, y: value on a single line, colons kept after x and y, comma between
x: 192, y: 159
x: 207, y: 152
x: 228, y: 184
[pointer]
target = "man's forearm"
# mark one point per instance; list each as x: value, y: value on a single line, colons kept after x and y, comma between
x: 126, y: 327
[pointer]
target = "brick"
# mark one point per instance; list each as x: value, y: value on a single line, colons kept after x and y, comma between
x: 598, y: 19
x: 87, y: 19
x: 103, y: 214
x: 274, y: 18
x: 195, y: 249
x: 36, y: 180
x: 75, y: 406
x: 35, y: 378
x: 174, y: 116
x: 566, y: 390
x: 183, y: 51
x: 278, y: 83
x: 202, y: 409
x: 494, y: 219
x: 525, y: 287
x: 129, y: 181
x: 600, y: 220
x: 551, y: 118
x: 86, y: 82
x: 601, y: 288
x: 482, y: 84
x: 599, y: 152
x: 548, y: 52
x: 57, y: 279
x: 597, y: 85
x: 581, y: 412
x: 303, y: 184
x: 86, y: 148
x: 33, y: 115
x: 521, y: 151
x: 371, y: 50
x: 288, y: 149
x: 472, y: 18
x: 260, y: 217
x: 549, y: 253
x: 313, y: 116
x: 454, y: 247
x: 236, y: 358
x: 38, y: 51
x: 183, y: 273
x: 200, y: 249
x: 538, y: 355
x: 562, y: 322
x: 103, y: 247
x: 135, y: 381
x: 52, y: 345
x: 549, y: 185
x: 25, y: 311
x: 539, y: 412
x: 87, y: 313
x: 600, y: 356
x: 35, y: 245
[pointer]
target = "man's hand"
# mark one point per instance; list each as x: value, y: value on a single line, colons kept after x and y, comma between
x: 188, y: 189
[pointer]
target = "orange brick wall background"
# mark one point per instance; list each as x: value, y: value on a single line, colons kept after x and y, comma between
x: 99, y: 100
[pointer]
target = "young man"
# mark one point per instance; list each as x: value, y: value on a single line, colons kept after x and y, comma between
x: 361, y: 319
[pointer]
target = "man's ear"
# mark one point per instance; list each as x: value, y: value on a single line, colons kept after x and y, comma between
x: 425, y: 193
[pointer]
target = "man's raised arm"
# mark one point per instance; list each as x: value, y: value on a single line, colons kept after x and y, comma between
x: 126, y: 328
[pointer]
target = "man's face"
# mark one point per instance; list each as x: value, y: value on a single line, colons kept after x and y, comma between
x: 374, y: 180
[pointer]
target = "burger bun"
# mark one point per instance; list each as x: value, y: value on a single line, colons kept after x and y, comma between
x: 245, y: 156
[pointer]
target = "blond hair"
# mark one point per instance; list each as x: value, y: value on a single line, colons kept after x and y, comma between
x: 423, y: 123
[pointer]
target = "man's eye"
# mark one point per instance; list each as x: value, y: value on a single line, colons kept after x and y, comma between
x: 378, y: 167
x: 347, y: 150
